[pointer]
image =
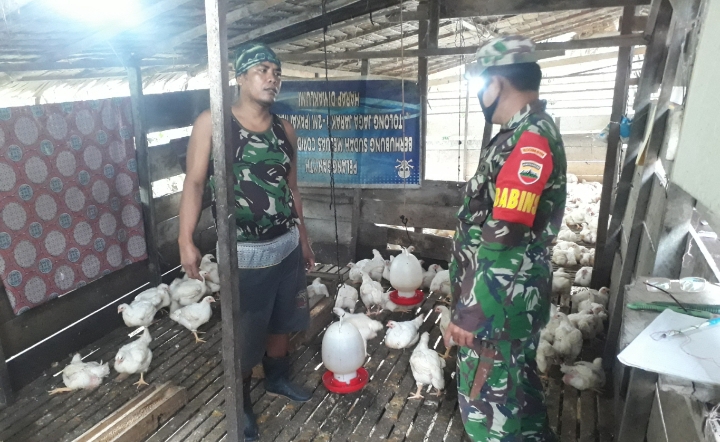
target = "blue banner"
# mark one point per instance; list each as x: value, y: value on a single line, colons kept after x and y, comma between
x: 373, y: 145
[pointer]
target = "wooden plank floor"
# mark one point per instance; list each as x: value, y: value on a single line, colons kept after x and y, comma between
x: 381, y: 411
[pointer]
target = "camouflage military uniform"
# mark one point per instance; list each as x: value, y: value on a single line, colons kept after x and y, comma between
x: 502, y: 275
x: 264, y: 205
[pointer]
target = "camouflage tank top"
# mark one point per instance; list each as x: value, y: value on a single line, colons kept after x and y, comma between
x: 264, y: 205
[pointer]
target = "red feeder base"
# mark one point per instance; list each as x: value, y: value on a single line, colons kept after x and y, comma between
x: 356, y: 384
x: 401, y: 300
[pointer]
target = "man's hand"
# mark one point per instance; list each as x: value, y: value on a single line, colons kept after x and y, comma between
x: 308, y: 255
x: 190, y: 259
x: 461, y: 337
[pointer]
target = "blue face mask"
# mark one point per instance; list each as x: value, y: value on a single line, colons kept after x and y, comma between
x: 489, y: 111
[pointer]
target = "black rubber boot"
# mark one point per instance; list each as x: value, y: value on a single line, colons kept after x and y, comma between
x: 277, y: 380
x: 251, y: 428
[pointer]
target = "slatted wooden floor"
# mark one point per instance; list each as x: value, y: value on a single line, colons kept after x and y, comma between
x: 380, y: 411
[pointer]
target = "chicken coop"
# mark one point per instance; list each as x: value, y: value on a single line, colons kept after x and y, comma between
x: 97, y: 102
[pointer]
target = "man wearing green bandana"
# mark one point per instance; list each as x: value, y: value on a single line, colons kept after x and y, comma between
x: 272, y: 243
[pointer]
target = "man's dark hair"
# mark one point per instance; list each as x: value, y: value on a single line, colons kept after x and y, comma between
x: 523, y: 76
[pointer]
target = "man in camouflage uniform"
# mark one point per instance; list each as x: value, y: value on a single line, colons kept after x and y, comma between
x: 501, y: 271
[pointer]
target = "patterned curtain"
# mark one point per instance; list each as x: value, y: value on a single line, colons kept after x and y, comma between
x: 70, y: 210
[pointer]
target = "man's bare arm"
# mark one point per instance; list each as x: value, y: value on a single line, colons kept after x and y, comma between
x: 198, y: 159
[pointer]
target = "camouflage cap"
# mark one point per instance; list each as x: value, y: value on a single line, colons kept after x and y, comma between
x: 249, y: 54
x: 500, y: 51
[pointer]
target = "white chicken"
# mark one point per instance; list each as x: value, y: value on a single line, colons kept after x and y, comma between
x: 79, y: 375
x: 403, y: 334
x: 548, y: 332
x: 568, y: 340
x: 317, y: 288
x: 588, y: 235
x: 563, y: 257
x: 158, y: 296
x: 375, y: 267
x: 386, y: 303
x: 584, y: 375
x: 583, y: 276
x: 429, y: 275
x: 212, y: 279
x: 565, y: 234
x: 585, y: 296
x: 134, y: 358
x: 347, y: 297
x: 188, y: 292
x: 367, y: 327
x: 572, y: 178
x: 561, y: 282
x: 587, y: 258
x: 545, y: 356
x: 386, y: 271
x: 445, y: 318
x: 441, y: 283
x: 138, y: 313
x: 589, y: 324
x: 371, y: 293
x: 194, y: 315
x: 356, y: 270
x: 427, y: 367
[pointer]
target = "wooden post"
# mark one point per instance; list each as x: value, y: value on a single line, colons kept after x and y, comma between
x: 7, y: 395
x: 622, y: 76
x: 143, y: 171
x: 215, y: 11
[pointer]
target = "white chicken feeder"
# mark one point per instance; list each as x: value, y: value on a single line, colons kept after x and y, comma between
x: 406, y: 276
x: 343, y: 354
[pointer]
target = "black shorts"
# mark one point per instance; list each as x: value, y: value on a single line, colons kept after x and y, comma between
x: 273, y: 300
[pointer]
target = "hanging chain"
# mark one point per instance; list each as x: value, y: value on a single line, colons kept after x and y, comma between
x: 333, y: 202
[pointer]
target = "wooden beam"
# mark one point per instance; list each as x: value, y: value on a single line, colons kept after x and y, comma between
x: 215, y: 13
x: 114, y: 29
x: 140, y: 417
x: 474, y: 8
x: 549, y: 48
x: 94, y: 64
x: 397, y: 53
x: 143, y: 171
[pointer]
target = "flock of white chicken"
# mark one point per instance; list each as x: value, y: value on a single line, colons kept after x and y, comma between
x: 561, y: 341
x: 188, y: 301
x: 426, y: 364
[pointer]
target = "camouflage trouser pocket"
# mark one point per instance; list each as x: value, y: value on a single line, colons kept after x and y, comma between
x: 483, y: 375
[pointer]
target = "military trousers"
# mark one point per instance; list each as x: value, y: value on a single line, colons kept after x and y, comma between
x: 500, y: 394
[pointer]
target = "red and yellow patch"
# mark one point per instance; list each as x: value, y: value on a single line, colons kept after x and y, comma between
x: 522, y: 179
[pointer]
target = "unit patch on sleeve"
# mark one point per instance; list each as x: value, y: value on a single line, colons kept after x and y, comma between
x: 529, y: 171
x: 521, y: 181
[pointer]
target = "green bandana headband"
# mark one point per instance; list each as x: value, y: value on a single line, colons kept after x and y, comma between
x: 250, y: 54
